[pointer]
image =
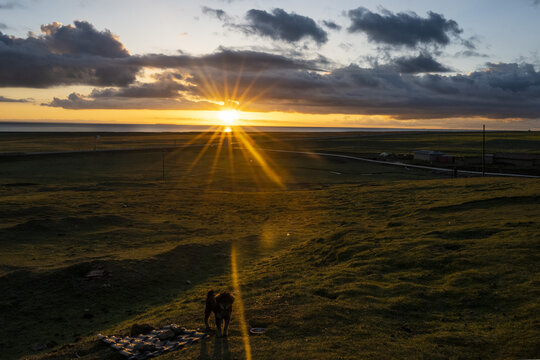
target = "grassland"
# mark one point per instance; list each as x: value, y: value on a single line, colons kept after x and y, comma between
x: 345, y: 260
x: 455, y: 143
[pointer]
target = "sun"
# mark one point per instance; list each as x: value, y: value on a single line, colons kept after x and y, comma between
x: 228, y: 116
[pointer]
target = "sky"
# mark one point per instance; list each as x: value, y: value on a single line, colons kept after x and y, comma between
x: 418, y: 64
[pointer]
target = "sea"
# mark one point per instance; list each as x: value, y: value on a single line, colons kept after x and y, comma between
x: 101, y: 127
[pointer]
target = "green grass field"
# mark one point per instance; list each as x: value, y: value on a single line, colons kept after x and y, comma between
x: 455, y: 143
x: 343, y: 260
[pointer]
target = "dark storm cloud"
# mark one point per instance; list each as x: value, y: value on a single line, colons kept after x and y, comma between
x: 217, y: 13
x: 423, y: 63
x: 331, y: 25
x: 280, y: 25
x: 5, y: 99
x: 403, y: 29
x: 65, y: 55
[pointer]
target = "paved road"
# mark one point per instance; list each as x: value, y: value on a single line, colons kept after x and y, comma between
x: 444, y: 170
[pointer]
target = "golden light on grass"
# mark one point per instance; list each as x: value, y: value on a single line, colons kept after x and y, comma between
x: 248, y: 144
x: 240, y: 303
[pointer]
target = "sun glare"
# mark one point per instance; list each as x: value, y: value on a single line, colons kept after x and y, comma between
x: 227, y: 129
x: 228, y: 116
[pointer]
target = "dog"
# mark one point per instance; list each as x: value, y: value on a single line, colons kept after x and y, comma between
x: 221, y: 306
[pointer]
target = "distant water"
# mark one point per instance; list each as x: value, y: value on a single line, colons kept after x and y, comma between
x: 87, y: 127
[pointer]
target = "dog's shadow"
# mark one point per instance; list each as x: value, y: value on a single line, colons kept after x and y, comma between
x: 221, y: 350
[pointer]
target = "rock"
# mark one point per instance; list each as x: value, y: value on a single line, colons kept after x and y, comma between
x: 138, y: 329
x: 167, y: 334
x: 178, y: 330
x: 95, y: 273
x: 143, y: 346
x: 126, y: 353
x: 188, y: 282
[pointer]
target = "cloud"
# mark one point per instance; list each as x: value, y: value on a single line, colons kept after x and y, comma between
x: 403, y: 88
x: 423, y: 63
x: 76, y: 101
x: 217, y: 13
x: 166, y: 85
x: 331, y: 25
x: 470, y: 53
x: 498, y: 91
x: 65, y: 55
x: 232, y: 60
x: 403, y: 29
x: 8, y: 100
x: 81, y: 39
x: 280, y: 25
x: 165, y: 93
x: 3, y: 26
x: 80, y: 54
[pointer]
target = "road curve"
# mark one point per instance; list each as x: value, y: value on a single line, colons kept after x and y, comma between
x: 168, y: 148
x: 462, y: 172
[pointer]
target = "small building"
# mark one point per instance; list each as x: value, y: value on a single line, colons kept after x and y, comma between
x: 448, y: 159
x: 427, y: 155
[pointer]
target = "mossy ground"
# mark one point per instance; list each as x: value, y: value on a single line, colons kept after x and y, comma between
x: 346, y: 261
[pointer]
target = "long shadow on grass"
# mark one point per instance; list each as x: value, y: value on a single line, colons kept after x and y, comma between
x: 489, y: 203
x: 64, y: 305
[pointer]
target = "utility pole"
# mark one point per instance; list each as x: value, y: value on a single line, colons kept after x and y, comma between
x: 163, y: 163
x: 484, y: 150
